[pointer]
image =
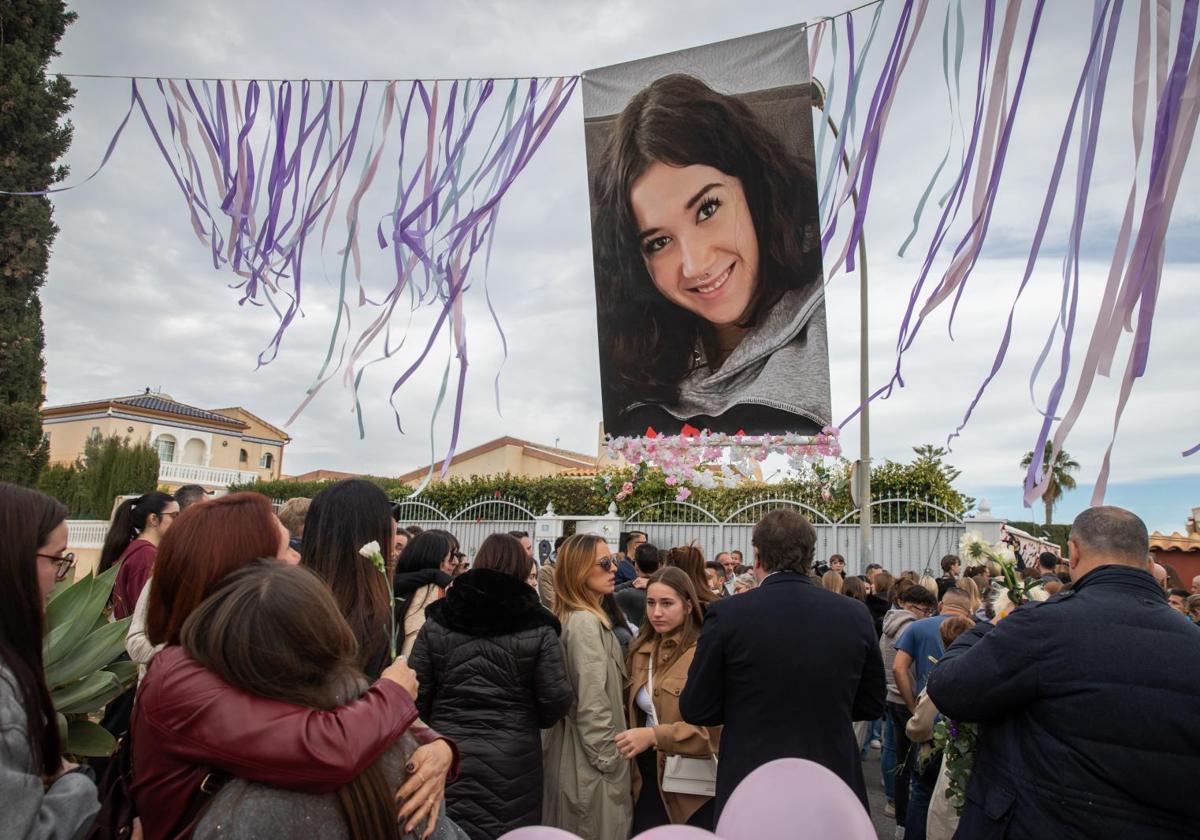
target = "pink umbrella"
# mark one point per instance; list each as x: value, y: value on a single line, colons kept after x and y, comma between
x: 794, y: 798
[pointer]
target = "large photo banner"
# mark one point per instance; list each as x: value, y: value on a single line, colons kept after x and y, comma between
x: 706, y: 240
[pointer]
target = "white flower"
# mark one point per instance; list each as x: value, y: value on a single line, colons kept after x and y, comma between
x: 973, y: 550
x: 1004, y: 555
x: 370, y: 550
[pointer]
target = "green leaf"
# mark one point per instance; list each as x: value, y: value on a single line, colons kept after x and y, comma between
x: 95, y: 702
x: 99, y: 649
x: 59, y: 588
x: 90, y: 739
x: 67, y: 631
x: 84, y: 695
x: 124, y: 670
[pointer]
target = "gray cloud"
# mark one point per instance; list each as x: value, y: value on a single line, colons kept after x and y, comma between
x: 133, y: 300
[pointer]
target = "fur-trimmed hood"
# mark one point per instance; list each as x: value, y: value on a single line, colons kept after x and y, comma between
x: 483, y: 602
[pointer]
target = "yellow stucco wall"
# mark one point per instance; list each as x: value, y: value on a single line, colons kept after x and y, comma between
x: 510, y: 459
x: 221, y: 449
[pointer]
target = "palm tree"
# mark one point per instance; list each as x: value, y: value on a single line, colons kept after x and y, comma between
x: 1060, y: 475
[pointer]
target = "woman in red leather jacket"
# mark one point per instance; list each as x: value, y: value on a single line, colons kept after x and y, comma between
x: 188, y: 721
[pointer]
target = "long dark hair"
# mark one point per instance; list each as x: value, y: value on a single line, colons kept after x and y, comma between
x: 681, y: 582
x: 128, y: 522
x: 275, y: 631
x: 342, y: 519
x: 680, y: 121
x: 504, y: 553
x: 26, y: 519
x: 426, y: 550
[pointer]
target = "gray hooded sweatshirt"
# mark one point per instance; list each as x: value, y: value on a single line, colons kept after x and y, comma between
x: 893, y: 624
x: 783, y: 363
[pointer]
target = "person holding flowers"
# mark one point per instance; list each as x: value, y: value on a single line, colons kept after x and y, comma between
x: 1085, y: 704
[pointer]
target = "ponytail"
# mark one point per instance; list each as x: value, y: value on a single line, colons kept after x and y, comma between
x: 127, y: 523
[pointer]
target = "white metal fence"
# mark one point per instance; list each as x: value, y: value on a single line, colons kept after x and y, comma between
x: 907, y: 534
x: 471, y: 525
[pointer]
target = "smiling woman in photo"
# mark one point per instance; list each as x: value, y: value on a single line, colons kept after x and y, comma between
x: 708, y: 269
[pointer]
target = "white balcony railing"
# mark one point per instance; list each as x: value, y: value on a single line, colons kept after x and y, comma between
x: 207, y: 476
x: 86, y: 533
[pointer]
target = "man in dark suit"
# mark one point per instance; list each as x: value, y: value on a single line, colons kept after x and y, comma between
x: 1086, y: 703
x: 786, y: 667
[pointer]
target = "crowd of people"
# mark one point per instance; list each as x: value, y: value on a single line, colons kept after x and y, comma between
x: 327, y: 671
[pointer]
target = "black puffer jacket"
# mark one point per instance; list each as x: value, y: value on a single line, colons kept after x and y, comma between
x: 492, y: 675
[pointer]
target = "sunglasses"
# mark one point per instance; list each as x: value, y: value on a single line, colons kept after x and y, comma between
x: 62, y: 564
x: 606, y: 563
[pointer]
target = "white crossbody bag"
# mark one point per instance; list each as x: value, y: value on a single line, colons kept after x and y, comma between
x: 685, y: 773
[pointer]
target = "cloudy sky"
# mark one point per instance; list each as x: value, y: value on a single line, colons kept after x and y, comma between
x: 133, y: 301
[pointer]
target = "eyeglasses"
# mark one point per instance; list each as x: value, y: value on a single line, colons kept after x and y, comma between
x: 62, y: 564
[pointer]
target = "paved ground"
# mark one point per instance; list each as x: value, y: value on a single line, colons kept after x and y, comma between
x: 885, y: 826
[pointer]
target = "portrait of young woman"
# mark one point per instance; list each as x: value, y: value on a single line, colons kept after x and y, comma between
x: 707, y: 255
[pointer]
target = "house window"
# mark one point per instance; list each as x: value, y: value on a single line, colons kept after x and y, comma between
x: 165, y: 446
x: 94, y: 433
x: 266, y: 460
x: 243, y: 457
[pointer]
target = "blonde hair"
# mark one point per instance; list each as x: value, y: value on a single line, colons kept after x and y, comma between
x: 971, y: 588
x: 1003, y: 605
x: 929, y: 583
x: 833, y: 581
x: 292, y: 514
x: 576, y: 557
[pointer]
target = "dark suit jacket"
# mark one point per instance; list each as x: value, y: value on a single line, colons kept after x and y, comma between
x: 785, y: 668
x: 632, y: 602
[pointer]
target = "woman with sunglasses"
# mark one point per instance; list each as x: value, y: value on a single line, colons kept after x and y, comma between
x: 137, y: 529
x: 43, y: 794
x: 587, y: 781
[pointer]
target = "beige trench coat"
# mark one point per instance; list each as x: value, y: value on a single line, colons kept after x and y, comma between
x: 414, y: 616
x: 587, y: 782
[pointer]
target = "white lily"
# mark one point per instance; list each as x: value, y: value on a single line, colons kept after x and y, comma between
x: 370, y: 550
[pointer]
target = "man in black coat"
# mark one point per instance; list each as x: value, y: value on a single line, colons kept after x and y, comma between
x: 786, y: 667
x: 1087, y: 703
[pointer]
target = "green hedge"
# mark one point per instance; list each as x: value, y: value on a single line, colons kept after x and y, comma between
x: 824, y: 487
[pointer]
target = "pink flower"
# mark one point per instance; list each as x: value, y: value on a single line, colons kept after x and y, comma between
x: 627, y: 488
x: 683, y: 494
x: 672, y: 481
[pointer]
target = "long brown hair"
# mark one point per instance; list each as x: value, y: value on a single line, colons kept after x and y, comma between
x: 204, y: 544
x: 689, y: 559
x: 576, y: 557
x: 678, y: 120
x: 342, y: 519
x: 26, y: 519
x: 275, y: 630
x: 690, y: 631
x: 504, y: 553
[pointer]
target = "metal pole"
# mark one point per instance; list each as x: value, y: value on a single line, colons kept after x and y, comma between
x: 864, y: 388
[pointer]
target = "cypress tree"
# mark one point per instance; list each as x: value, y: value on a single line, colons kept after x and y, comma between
x: 33, y: 136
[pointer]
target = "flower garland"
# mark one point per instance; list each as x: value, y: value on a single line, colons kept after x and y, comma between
x: 691, y: 455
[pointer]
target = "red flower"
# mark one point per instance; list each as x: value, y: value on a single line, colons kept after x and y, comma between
x: 689, y: 431
x: 650, y: 433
